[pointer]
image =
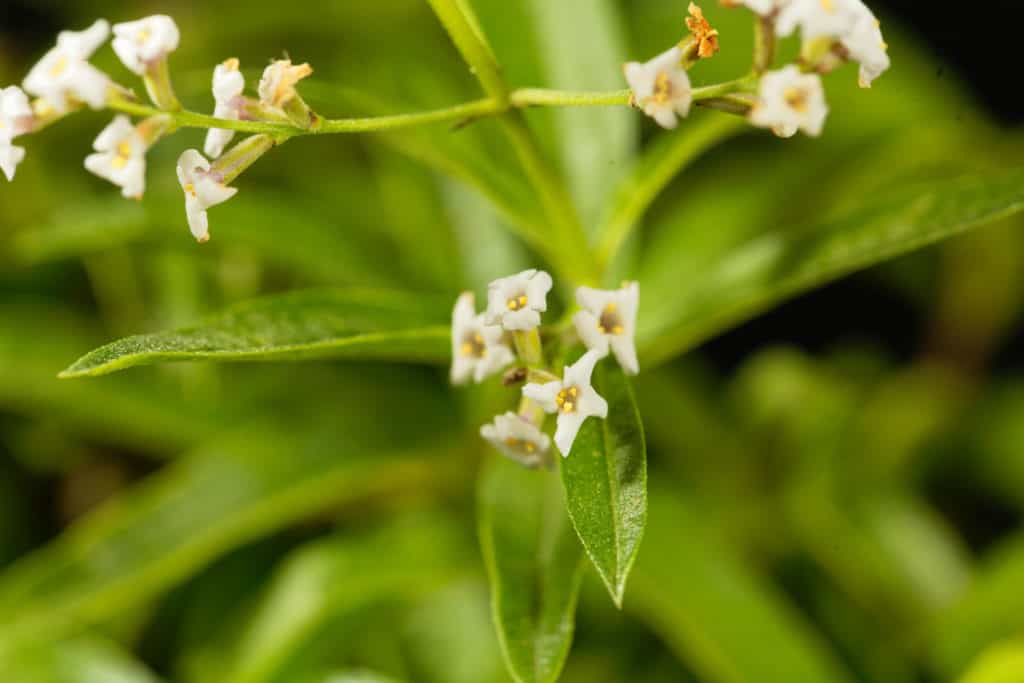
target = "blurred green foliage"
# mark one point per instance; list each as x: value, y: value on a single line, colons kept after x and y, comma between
x: 847, y: 514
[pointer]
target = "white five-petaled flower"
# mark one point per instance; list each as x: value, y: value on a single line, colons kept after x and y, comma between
x: 849, y: 22
x: 608, y: 320
x: 64, y: 75
x: 790, y: 101
x: 516, y: 302
x: 517, y: 438
x: 277, y: 86
x: 572, y: 398
x: 762, y: 7
x: 144, y: 42
x: 120, y: 157
x: 228, y: 84
x: 203, y: 189
x: 866, y: 46
x: 478, y: 349
x: 15, y: 119
x: 661, y: 87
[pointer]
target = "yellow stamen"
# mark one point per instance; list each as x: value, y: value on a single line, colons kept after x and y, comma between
x: 828, y: 5
x: 796, y: 98
x: 662, y: 89
x: 566, y: 399
x: 59, y: 66
x: 517, y: 302
x: 610, y: 322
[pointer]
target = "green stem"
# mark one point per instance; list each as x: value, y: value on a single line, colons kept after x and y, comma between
x: 571, y: 251
x: 533, y: 97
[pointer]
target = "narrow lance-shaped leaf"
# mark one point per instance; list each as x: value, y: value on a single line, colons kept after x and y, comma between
x: 780, y: 264
x: 605, y: 479
x: 316, y: 324
x: 535, y: 565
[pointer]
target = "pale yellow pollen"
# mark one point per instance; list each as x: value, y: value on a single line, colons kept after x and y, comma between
x: 231, y: 64
x: 143, y: 35
x: 473, y: 345
x: 662, y: 89
x: 59, y: 67
x: 610, y: 322
x: 42, y: 108
x: 796, y: 98
x: 124, y: 153
x: 828, y: 5
x: 191, y: 189
x: 520, y: 444
x: 567, y: 399
x: 517, y: 303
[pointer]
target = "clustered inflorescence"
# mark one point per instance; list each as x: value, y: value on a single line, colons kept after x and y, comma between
x: 784, y: 100
x: 64, y: 81
x: 508, y: 331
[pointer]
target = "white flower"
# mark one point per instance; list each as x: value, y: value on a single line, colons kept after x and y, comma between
x: 15, y: 119
x: 228, y: 84
x: 203, y: 189
x: 661, y: 87
x: 120, y: 157
x: 819, y: 18
x: 277, y: 86
x: 762, y: 7
x: 865, y: 45
x: 63, y: 75
x: 516, y: 302
x: 573, y: 399
x: 517, y: 438
x: 789, y: 101
x: 146, y: 41
x: 477, y: 348
x: 608, y: 320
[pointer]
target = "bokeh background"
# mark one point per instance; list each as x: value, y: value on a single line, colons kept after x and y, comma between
x: 847, y: 469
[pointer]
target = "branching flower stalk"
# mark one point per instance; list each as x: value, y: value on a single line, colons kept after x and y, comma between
x: 64, y: 82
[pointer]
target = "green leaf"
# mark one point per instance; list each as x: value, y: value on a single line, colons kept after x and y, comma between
x: 652, y: 171
x: 82, y: 660
x: 232, y: 491
x: 301, y: 325
x: 143, y: 412
x: 534, y: 562
x: 331, y: 577
x: 785, y: 262
x: 605, y: 479
x: 589, y: 57
x: 728, y: 624
x: 1001, y: 663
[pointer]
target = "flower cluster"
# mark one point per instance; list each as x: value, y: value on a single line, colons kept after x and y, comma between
x: 785, y: 101
x: 486, y: 343
x: 64, y: 81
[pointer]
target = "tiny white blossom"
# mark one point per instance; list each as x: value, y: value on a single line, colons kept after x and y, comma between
x: 120, y: 157
x: 819, y: 18
x: 762, y: 7
x: 516, y: 302
x: 228, y: 84
x: 608, y: 320
x: 277, y: 86
x: 790, y: 101
x: 478, y: 349
x: 64, y: 75
x: 865, y: 45
x: 203, y: 189
x: 573, y: 399
x: 661, y: 87
x: 517, y: 438
x: 15, y: 118
x: 146, y: 41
